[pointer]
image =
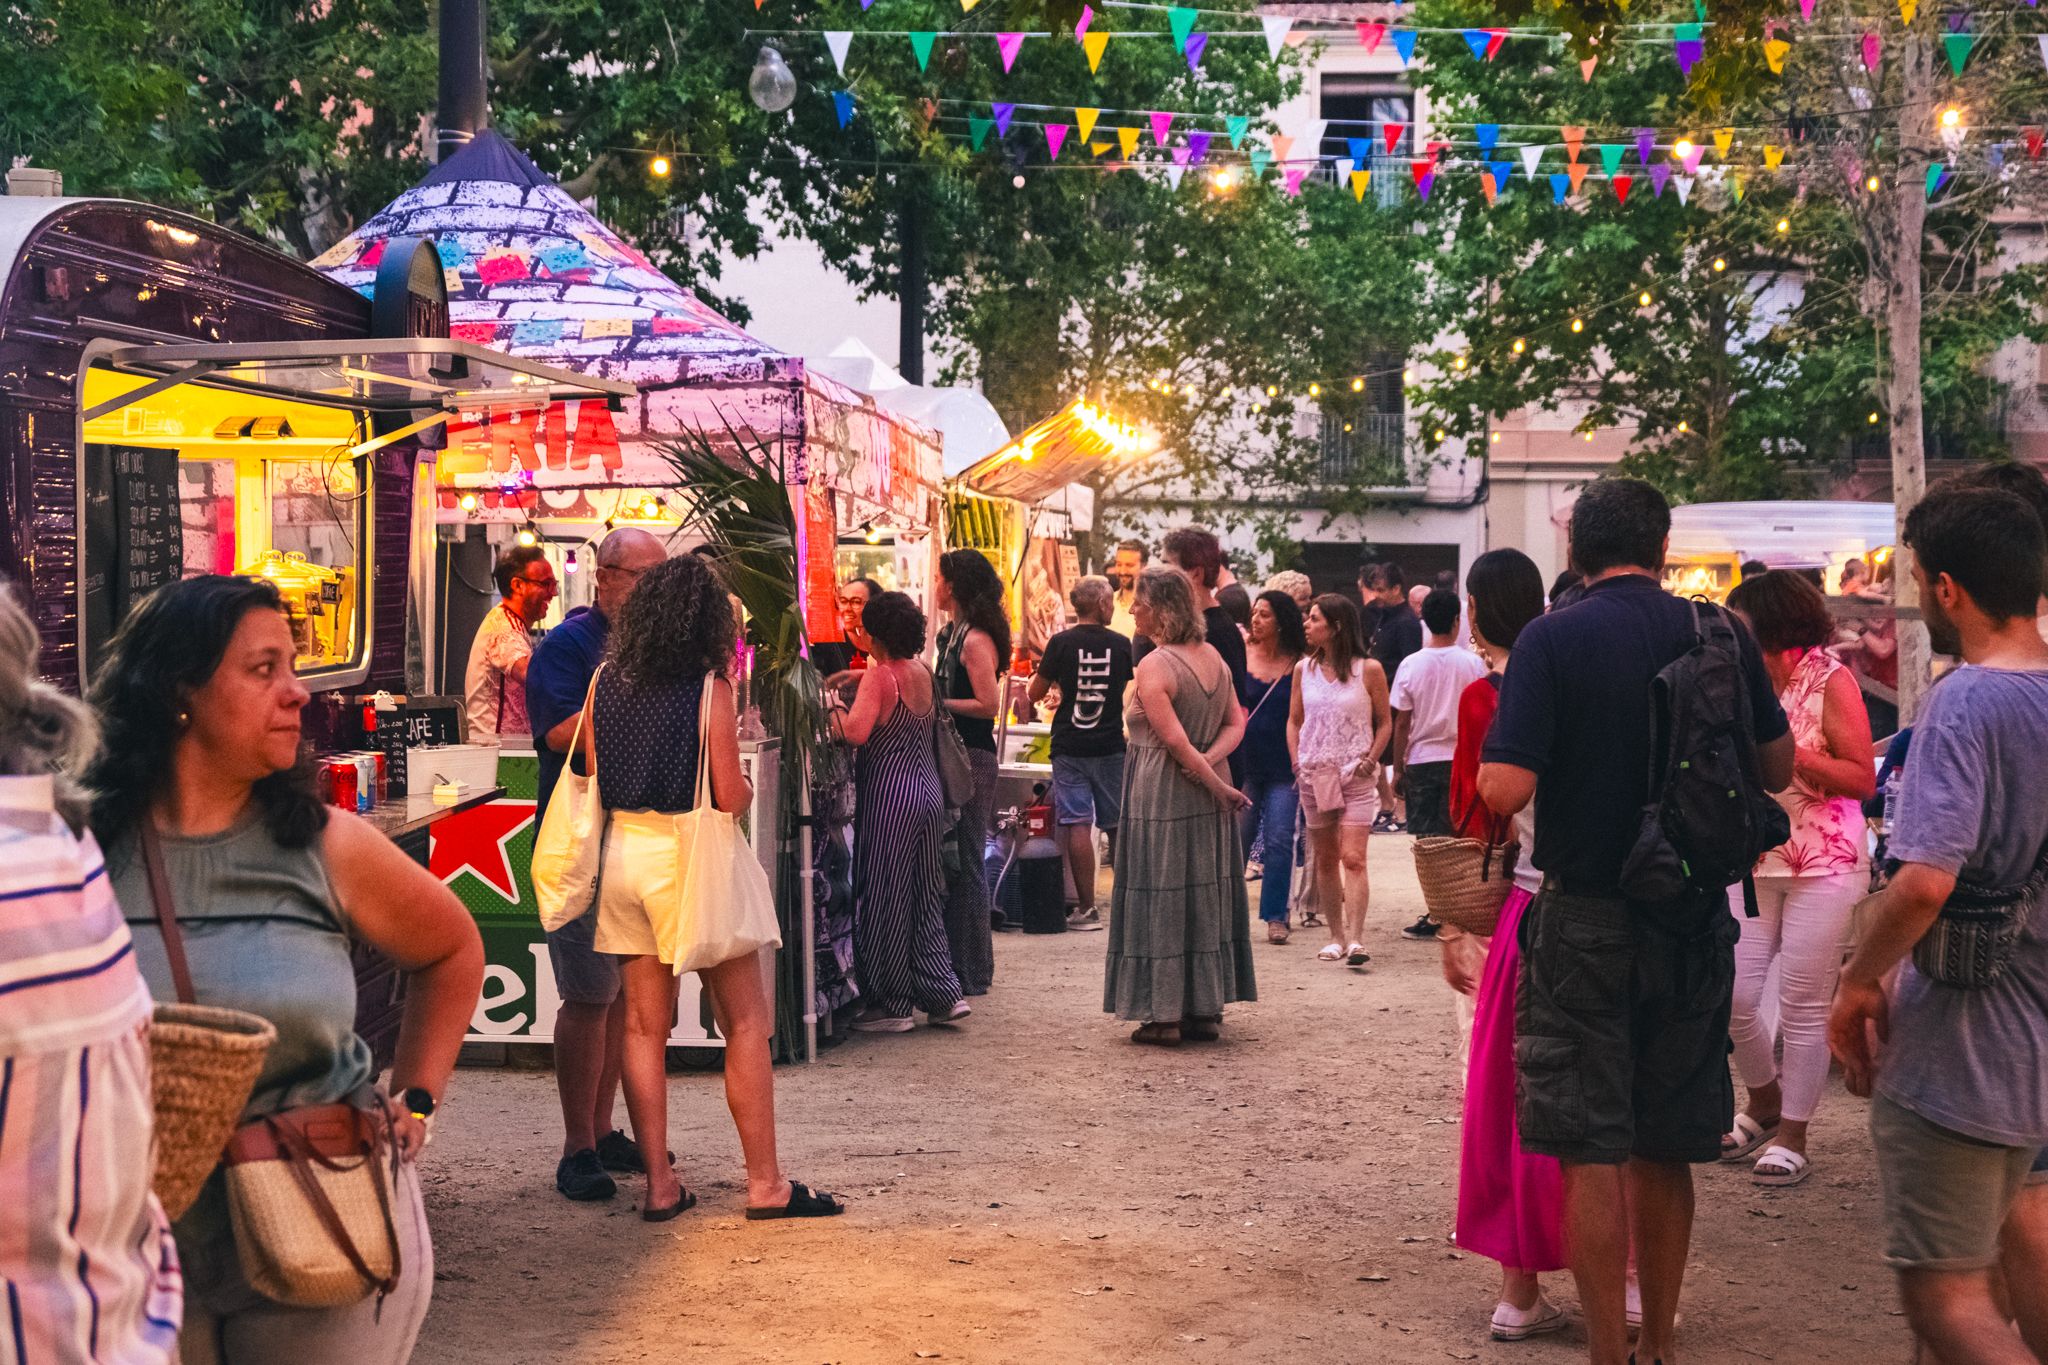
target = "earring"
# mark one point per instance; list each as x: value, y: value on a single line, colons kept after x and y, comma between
x: 184, y: 718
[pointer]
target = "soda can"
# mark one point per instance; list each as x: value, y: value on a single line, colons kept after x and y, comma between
x: 341, y: 782
x: 383, y: 776
x: 366, y: 782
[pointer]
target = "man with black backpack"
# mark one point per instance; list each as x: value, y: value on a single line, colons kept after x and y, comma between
x: 1648, y: 733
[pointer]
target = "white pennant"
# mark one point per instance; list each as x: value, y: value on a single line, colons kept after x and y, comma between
x: 1683, y: 184
x: 838, y: 41
x: 1174, y: 173
x: 1530, y: 156
x: 1278, y: 29
x: 1312, y: 134
x: 1345, y: 166
x: 2043, y: 40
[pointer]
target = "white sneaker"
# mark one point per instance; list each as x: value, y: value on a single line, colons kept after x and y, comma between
x: 884, y: 1023
x: 1519, y: 1324
x: 1083, y: 922
x: 959, y: 1010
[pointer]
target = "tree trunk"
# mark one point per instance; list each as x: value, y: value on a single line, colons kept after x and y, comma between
x: 1906, y: 221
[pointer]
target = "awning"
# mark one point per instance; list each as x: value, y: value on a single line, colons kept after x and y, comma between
x: 1068, y: 447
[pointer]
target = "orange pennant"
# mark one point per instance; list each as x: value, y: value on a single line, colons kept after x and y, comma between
x: 1577, y: 171
x: 1574, y: 138
x: 1486, y: 186
x: 1281, y: 147
x: 1586, y: 68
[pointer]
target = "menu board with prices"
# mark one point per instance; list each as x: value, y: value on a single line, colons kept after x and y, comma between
x: 133, y: 540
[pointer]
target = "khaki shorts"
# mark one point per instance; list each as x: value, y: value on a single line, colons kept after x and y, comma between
x: 1945, y: 1195
x: 1330, y: 798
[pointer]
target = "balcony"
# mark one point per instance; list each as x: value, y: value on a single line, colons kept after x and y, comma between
x: 1368, y: 455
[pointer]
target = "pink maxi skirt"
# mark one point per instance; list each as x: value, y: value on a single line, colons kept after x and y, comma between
x: 1510, y: 1203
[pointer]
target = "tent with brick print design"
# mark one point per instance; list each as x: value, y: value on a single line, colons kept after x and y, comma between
x: 533, y: 273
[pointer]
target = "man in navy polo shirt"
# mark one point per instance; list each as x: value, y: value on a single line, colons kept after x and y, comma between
x: 590, y: 1026
x: 1621, y: 1022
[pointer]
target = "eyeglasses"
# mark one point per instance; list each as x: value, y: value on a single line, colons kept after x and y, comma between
x: 548, y: 582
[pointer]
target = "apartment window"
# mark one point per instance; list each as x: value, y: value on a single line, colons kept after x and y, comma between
x: 1361, y: 107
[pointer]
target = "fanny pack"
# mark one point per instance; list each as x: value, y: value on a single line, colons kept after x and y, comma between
x: 1971, y: 943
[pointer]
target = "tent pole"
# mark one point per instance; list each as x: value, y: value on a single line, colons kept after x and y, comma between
x: 911, y: 285
x: 464, y: 107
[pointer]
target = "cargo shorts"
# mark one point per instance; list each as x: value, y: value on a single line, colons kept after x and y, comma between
x: 1621, y: 1027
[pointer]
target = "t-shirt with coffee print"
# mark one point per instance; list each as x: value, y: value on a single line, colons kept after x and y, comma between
x: 1092, y: 666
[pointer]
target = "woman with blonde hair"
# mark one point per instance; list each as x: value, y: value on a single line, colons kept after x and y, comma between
x: 1179, y: 931
x: 85, y: 1251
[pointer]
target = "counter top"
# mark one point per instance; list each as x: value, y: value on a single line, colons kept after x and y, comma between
x: 406, y: 815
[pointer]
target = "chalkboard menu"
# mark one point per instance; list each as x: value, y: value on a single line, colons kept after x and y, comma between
x: 133, y: 540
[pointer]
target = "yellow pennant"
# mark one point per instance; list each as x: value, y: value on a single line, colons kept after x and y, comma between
x: 1908, y: 8
x: 1100, y: 147
x: 967, y: 6
x: 1128, y: 138
x: 1084, y: 121
x: 1724, y: 138
x: 1773, y: 155
x: 1738, y: 189
x: 1774, y: 53
x: 1093, y: 44
x: 1359, y: 180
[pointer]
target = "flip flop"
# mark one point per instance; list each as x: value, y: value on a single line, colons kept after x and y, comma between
x: 1780, y: 1166
x: 803, y: 1203
x: 1746, y: 1137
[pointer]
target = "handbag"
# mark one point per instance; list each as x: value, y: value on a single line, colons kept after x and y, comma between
x: 949, y: 751
x: 724, y: 907
x: 1465, y: 882
x: 1971, y: 942
x: 309, y: 1189
x: 568, y: 852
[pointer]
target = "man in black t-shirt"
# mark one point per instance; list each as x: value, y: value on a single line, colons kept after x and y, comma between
x: 1621, y: 1022
x: 1091, y: 665
x: 1396, y: 634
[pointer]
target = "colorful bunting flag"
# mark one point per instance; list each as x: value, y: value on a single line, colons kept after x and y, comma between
x: 921, y: 47
x: 1173, y: 175
x: 1610, y: 157
x: 1646, y: 144
x: 1161, y: 125
x: 1127, y: 138
x: 1181, y: 19
x: 1198, y: 146
x: 1008, y: 45
x: 837, y: 41
x: 1281, y: 146
x: 2043, y: 40
x: 1576, y: 173
x: 1774, y: 54
x: 1907, y: 9
x: 1530, y: 156
x: 1622, y: 185
x: 1291, y: 178
x: 1081, y: 24
x: 1055, y: 137
x: 1683, y: 184
x: 1371, y: 35
x: 1659, y: 174
x: 1958, y: 45
x: 1774, y: 156
x: 1724, y: 138
x: 1084, y: 122
x: 1958, y: 20
x: 1487, y: 135
x: 1196, y: 46
x: 1180, y: 156
x: 1404, y: 43
x: 977, y: 130
x: 1360, y: 148
x: 1586, y: 69
x: 1261, y: 158
x: 1501, y: 170
x: 1312, y: 132
x: 1359, y: 180
x: 1737, y: 186
x: 1236, y: 125
x: 1425, y: 177
x: 1936, y: 175
x: 1276, y: 35
x: 1574, y: 136
x: 1392, y: 132
x: 1003, y: 113
x: 1560, y: 186
x: 1485, y: 42
x: 1093, y: 44
x: 842, y: 105
x: 2033, y: 135
x: 1806, y: 10
x: 1687, y: 47
x: 1488, y: 187
x: 1692, y: 160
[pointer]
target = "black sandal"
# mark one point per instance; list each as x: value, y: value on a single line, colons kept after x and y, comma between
x: 803, y: 1203
x: 686, y: 1201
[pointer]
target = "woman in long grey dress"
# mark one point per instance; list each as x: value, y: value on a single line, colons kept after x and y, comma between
x: 1179, y: 935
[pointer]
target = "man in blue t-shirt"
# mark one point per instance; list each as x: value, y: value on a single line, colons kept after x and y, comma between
x: 1959, y: 1119
x: 1621, y: 1020
x: 590, y: 1025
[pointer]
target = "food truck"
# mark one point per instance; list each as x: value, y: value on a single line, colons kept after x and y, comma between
x: 1710, y: 541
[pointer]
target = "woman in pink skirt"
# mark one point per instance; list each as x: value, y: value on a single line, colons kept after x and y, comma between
x: 1510, y: 1203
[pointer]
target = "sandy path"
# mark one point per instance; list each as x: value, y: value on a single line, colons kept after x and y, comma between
x: 1070, y: 1197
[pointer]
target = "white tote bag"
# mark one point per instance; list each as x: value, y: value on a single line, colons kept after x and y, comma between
x: 569, y: 849
x: 724, y: 906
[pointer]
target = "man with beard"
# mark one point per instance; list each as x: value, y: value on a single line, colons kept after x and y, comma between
x: 1130, y: 561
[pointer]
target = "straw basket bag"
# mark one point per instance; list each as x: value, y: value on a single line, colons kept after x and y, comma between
x: 203, y: 1064
x: 1465, y: 881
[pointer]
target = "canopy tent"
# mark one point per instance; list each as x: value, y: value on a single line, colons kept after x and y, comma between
x: 533, y: 273
x: 968, y: 421
x: 1045, y: 465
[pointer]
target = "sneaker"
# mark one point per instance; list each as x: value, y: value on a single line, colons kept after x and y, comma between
x: 1083, y: 921
x: 1632, y: 1305
x: 1424, y: 928
x: 952, y: 1014
x: 617, y: 1152
x: 1519, y: 1324
x: 1382, y: 823
x: 876, y: 1022
x: 580, y: 1176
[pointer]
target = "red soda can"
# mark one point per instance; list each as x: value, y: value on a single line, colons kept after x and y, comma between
x: 341, y: 783
x: 383, y: 776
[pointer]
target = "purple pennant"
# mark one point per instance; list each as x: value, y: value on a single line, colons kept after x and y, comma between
x: 1689, y: 52
x: 1659, y: 173
x: 1424, y: 183
x: 1198, y: 146
x: 1958, y: 20
x: 1002, y: 114
x: 1646, y: 144
x: 1197, y: 44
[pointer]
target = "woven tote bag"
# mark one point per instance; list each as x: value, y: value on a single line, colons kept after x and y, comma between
x: 1465, y: 881
x: 203, y: 1064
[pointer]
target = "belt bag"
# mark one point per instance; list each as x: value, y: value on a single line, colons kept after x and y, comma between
x: 1971, y: 942
x: 310, y: 1189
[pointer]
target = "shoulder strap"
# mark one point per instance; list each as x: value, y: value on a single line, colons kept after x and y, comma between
x: 702, y: 800
x: 166, y: 911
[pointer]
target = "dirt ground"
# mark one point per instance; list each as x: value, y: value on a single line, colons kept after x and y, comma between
x: 1033, y: 1188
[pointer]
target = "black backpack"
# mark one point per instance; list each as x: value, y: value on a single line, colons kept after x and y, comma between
x: 1708, y: 818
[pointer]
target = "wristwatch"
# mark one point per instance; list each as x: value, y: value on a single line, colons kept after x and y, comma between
x: 420, y: 1104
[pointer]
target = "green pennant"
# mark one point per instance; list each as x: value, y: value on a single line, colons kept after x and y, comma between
x: 921, y: 44
x: 978, y: 129
x: 1958, y: 45
x: 1935, y: 174
x: 1699, y: 7
x: 1237, y: 124
x: 1182, y: 19
x: 1260, y: 156
x: 1610, y: 157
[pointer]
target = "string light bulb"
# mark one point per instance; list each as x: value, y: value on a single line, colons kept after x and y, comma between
x: 870, y: 534
x: 569, y: 564
x: 1683, y: 148
x: 1437, y: 435
x: 1872, y: 419
x: 1873, y: 184
x: 1357, y: 385
x: 1224, y: 180
x: 1784, y: 226
x: 1017, y: 181
x: 1684, y: 427
x: 660, y: 166
x: 772, y: 86
x: 1457, y: 362
x: 1493, y: 438
x: 468, y: 502
x: 1272, y: 390
x: 1578, y: 324
x: 1643, y: 299
x: 527, y: 537
x: 1347, y: 426
x: 1952, y: 117
x: 1520, y: 346
x: 1720, y: 264
x: 1315, y: 390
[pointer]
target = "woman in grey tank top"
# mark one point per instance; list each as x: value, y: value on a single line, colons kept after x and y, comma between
x: 201, y: 705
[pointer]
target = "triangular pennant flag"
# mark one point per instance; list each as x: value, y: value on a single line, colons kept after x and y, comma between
x: 921, y: 46
x: 1173, y: 175
x: 1008, y: 45
x: 842, y: 104
x: 1488, y: 188
x: 1161, y: 125
x: 1574, y: 140
x: 1560, y: 186
x: 1659, y: 173
x: 1530, y: 156
x: 1281, y: 146
x: 1958, y: 45
x: 1392, y: 132
x: 1724, y: 138
x: 2043, y: 40
x: 1312, y: 131
x: 1093, y: 44
x: 1276, y: 35
x: 1360, y: 147
x: 1084, y: 122
x: 1196, y: 46
x: 1081, y: 24
x: 1003, y: 113
x: 1774, y: 53
x: 2033, y: 135
x: 1692, y: 160
x: 1127, y: 138
x: 1181, y: 156
x: 866, y: 5
x: 1586, y: 68
x: 1198, y: 146
x: 1359, y: 180
x: 1873, y: 51
x: 1418, y: 169
x: 1261, y: 158
x: 1404, y: 43
x: 1774, y: 156
x: 1291, y: 178
x: 1936, y: 174
x: 1181, y: 20
x: 1646, y: 144
x: 966, y: 6
x: 1622, y: 183
x: 1495, y: 36
x: 1683, y: 184
x: 1371, y: 36
x: 1610, y: 157
x: 1055, y: 137
x: 1576, y: 172
x: 1958, y: 20
x: 1907, y: 9
x: 1487, y: 135
x: 1737, y: 185
x: 977, y: 130
x: 929, y: 107
x: 1345, y: 166
x: 1806, y: 10
x: 1501, y: 170
x: 1236, y: 125
x: 837, y: 41
x: 1478, y: 39
x: 1425, y: 180
x: 1687, y: 47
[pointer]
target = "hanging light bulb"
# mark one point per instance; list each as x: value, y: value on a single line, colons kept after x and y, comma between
x: 1520, y: 346
x: 1784, y: 226
x: 1272, y: 390
x: 1684, y: 427
x: 660, y: 166
x: 527, y: 537
x: 1347, y: 426
x: 1437, y: 435
x: 1720, y: 264
x: 1493, y: 438
x: 1578, y: 324
x: 469, y: 502
x: 1872, y: 419
x: 870, y: 534
x: 1357, y: 385
x: 1873, y: 184
x: 1457, y: 362
x: 1315, y: 390
x: 1017, y: 181
x: 1643, y: 299
x: 1952, y: 116
x: 771, y: 87
x: 1683, y: 148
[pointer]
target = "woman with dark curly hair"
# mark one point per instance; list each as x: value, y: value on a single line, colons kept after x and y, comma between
x: 660, y: 705
x: 269, y: 888
x: 973, y: 651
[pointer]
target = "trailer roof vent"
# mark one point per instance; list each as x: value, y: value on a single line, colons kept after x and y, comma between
x: 25, y: 179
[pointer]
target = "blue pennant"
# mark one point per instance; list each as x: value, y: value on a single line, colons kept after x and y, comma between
x: 1361, y: 150
x: 1487, y: 134
x: 1501, y: 171
x: 1560, y: 186
x: 1476, y: 39
x: 1404, y: 43
x: 842, y: 104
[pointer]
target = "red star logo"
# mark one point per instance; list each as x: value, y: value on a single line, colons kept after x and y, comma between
x: 474, y: 842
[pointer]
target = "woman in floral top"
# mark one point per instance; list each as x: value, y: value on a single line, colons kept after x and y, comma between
x: 1807, y: 886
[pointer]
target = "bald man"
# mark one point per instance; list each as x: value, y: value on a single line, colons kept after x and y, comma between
x: 590, y: 1027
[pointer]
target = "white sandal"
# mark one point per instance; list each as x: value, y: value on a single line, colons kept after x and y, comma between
x: 1333, y: 953
x: 1780, y: 1166
x: 1745, y: 1137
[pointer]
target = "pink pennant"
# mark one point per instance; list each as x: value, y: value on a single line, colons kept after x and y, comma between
x: 1871, y: 51
x: 1372, y: 35
x: 1806, y: 10
x: 1008, y: 44
x: 1087, y: 18
x: 1692, y: 163
x: 1055, y: 137
x: 1291, y: 178
x: 1161, y: 124
x: 1181, y: 155
x: 1586, y: 68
